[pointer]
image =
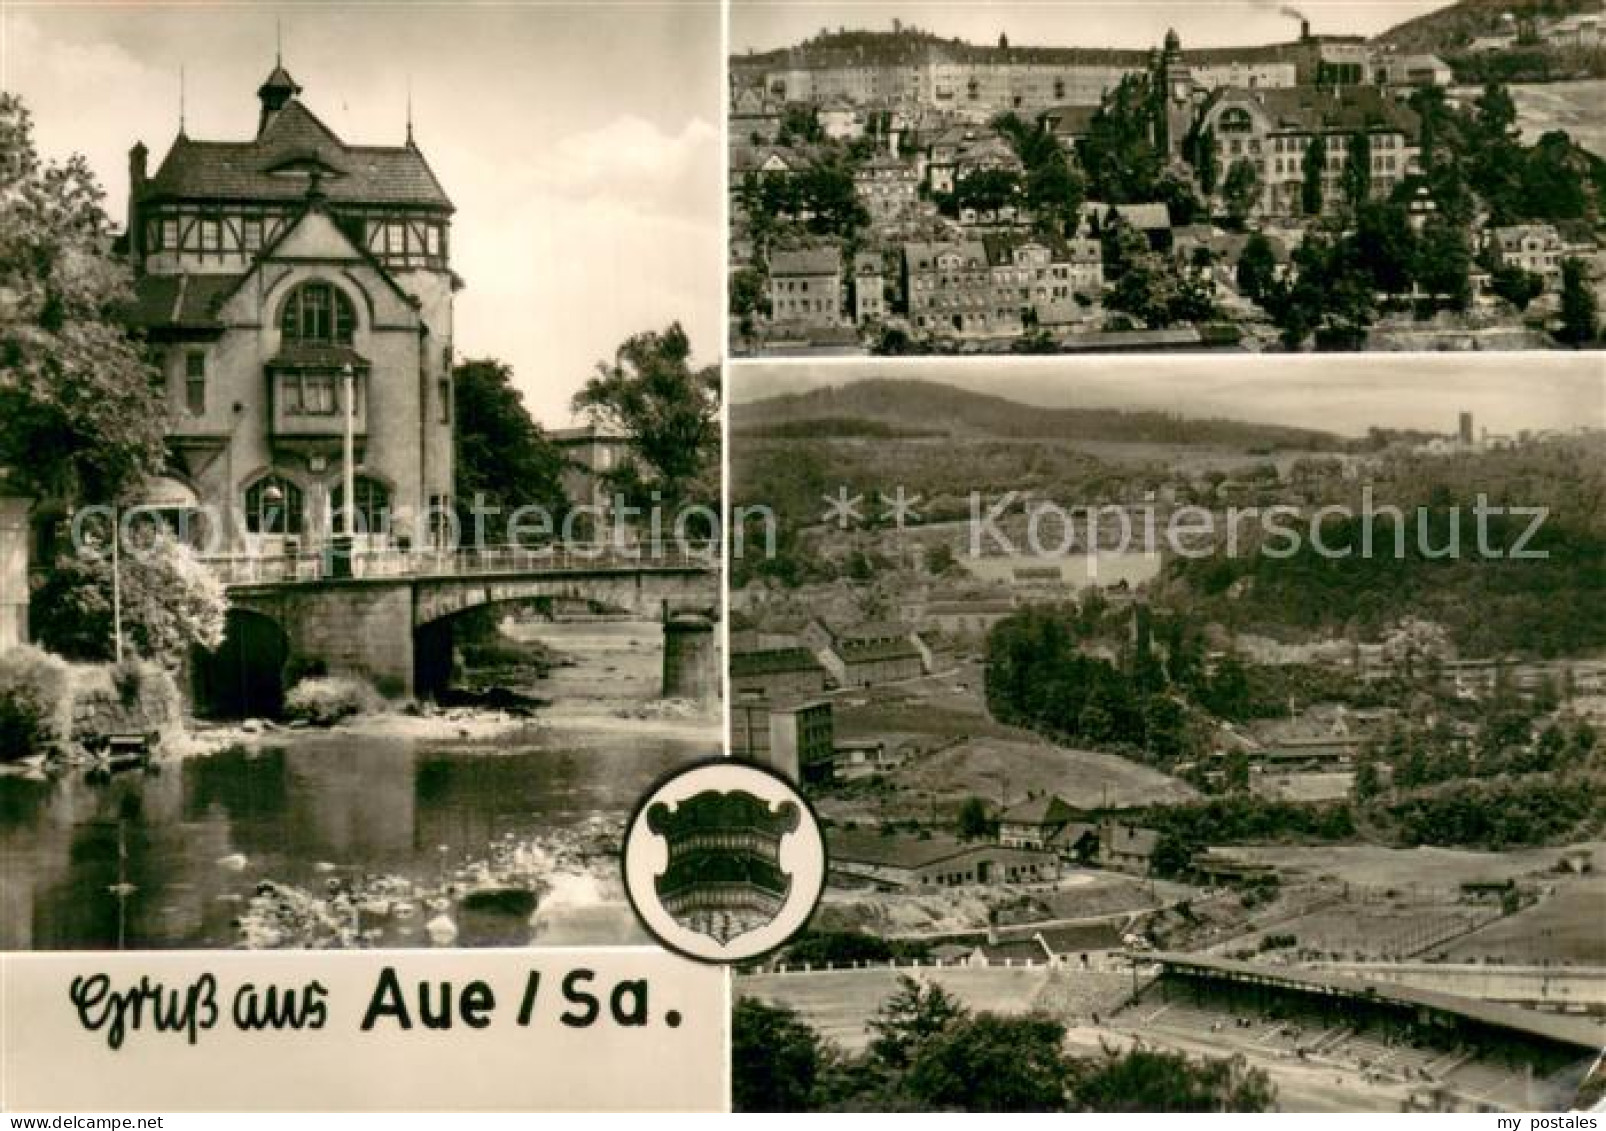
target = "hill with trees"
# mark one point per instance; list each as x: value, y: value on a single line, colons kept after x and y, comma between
x: 1460, y: 23
x: 929, y: 407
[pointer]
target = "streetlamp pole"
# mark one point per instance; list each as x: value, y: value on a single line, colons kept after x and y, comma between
x: 349, y: 453
x: 117, y: 587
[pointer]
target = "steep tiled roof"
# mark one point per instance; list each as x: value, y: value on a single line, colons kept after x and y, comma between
x: 1081, y: 937
x: 1014, y: 950
x: 1310, y: 109
x: 808, y: 261
x: 873, y: 630
x: 1047, y: 809
x: 1145, y: 217
x: 874, y: 651
x: 774, y: 662
x: 295, y: 141
x: 924, y: 254
x: 180, y: 301
x: 1129, y: 840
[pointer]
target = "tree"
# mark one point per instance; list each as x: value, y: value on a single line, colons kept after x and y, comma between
x: 800, y: 123
x: 1237, y: 772
x: 171, y: 603
x: 1150, y: 1080
x: 1257, y: 268
x: 1205, y: 156
x: 1385, y: 246
x: 83, y: 412
x: 1119, y: 153
x: 992, y: 1063
x: 827, y: 194
x: 669, y: 411
x: 914, y: 1015
x: 1172, y: 855
x: 775, y: 1058
x: 1241, y: 191
x: 1357, y: 179
x: 1444, y: 263
x: 504, y: 459
x: 1314, y: 166
x: 747, y: 293
x: 987, y: 189
x: 1580, y: 318
x: 973, y: 820
x: 1055, y: 191
x: 1368, y: 782
x: 1516, y: 286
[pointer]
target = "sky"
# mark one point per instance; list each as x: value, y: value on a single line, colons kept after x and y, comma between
x: 1341, y: 393
x: 580, y: 143
x: 762, y: 25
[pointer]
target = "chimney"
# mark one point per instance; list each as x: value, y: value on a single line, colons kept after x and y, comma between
x: 136, y: 189
x: 1304, y: 31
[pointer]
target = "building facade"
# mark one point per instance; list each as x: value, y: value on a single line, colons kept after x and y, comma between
x: 1535, y: 248
x: 806, y: 286
x: 281, y: 281
x: 999, y: 286
x: 802, y: 741
x: 887, y: 187
x: 1273, y: 129
x: 869, y: 288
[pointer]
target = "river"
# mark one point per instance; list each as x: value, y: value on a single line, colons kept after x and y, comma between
x: 259, y: 843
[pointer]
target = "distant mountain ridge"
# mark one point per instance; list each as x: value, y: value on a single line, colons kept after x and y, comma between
x: 929, y: 407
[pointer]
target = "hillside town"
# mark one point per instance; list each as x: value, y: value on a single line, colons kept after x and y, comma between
x: 895, y: 192
x: 1208, y: 807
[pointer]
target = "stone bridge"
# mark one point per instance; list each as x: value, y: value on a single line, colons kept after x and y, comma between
x: 387, y: 617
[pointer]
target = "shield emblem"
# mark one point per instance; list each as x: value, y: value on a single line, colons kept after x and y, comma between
x: 724, y: 877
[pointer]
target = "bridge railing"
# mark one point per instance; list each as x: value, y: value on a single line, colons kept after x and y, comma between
x: 268, y: 569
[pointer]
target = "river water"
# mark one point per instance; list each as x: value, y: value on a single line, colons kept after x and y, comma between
x: 175, y: 856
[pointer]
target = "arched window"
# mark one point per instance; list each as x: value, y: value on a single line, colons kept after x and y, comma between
x: 318, y: 314
x: 1235, y: 120
x: 373, y: 505
x: 273, y: 505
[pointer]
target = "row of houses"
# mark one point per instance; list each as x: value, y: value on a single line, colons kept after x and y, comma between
x: 1037, y: 841
x: 1048, y: 823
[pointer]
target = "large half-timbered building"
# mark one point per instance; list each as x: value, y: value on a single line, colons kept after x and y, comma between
x: 269, y: 273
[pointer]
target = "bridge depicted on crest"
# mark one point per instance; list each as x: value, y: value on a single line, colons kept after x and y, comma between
x: 387, y: 615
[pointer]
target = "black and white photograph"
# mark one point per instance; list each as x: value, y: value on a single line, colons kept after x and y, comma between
x: 821, y: 556
x: 1227, y: 177
x: 1186, y: 736
x: 359, y: 433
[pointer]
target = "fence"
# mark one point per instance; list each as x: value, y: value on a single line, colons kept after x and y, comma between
x: 388, y: 562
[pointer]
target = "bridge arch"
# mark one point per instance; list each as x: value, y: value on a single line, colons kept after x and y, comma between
x: 244, y: 677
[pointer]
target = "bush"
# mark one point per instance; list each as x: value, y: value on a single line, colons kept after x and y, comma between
x: 35, y: 703
x: 326, y: 700
x: 171, y: 603
x: 134, y: 697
